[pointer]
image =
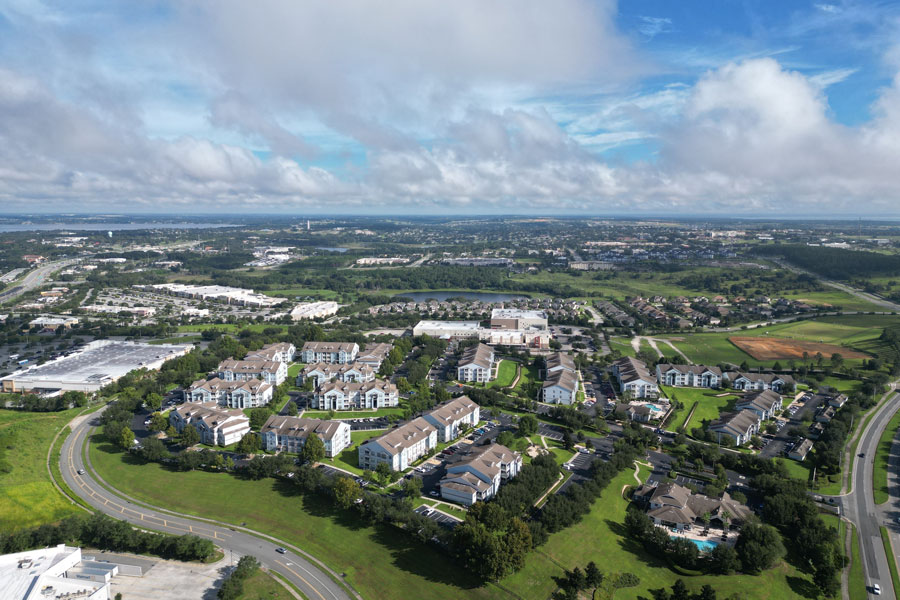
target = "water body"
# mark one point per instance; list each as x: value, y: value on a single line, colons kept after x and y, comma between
x: 481, y: 296
x: 341, y: 250
x: 12, y: 227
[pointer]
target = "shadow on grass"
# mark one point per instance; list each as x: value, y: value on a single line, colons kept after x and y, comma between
x: 802, y: 587
x: 633, y: 547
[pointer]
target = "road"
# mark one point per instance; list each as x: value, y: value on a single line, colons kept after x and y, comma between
x: 309, y: 578
x: 36, y: 278
x: 860, y: 507
x: 844, y: 288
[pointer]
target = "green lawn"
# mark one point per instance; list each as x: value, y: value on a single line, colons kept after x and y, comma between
x: 294, y: 370
x: 623, y: 345
x: 708, y: 407
x: 262, y: 586
x: 529, y: 374
x: 600, y: 536
x: 506, y: 373
x: 354, y: 414
x: 857, y: 583
x: 892, y: 560
x: 349, y: 458
x: 882, y: 456
x: 27, y: 496
x: 797, y: 470
x: 379, y: 561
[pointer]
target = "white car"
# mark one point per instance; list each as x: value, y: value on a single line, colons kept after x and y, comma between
x: 876, y: 589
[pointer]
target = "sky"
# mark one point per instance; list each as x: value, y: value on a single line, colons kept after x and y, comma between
x: 696, y: 108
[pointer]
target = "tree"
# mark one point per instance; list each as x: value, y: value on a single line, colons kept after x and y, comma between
x: 592, y: 575
x: 759, y: 547
x: 506, y: 438
x: 412, y: 487
x: 346, y: 491
x: 249, y: 444
x: 126, y: 438
x: 171, y: 432
x: 258, y: 417
x: 313, y: 449
x: 291, y: 409
x: 724, y: 559
x: 158, y: 422
x: 153, y: 401
x: 383, y: 470
x: 528, y: 425
x: 189, y: 436
x: 568, y: 442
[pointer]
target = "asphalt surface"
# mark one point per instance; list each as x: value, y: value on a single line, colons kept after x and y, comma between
x: 860, y: 507
x: 309, y: 578
x: 34, y: 279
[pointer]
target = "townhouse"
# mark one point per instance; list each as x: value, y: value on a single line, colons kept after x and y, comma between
x: 758, y: 382
x: 476, y: 364
x: 765, y: 404
x: 560, y: 387
x: 479, y: 474
x: 338, y: 395
x: 801, y: 450
x: 689, y: 375
x: 329, y: 352
x: 321, y: 373
x: 281, y: 352
x: 738, y: 426
x: 289, y: 434
x: 634, y: 378
x: 400, y: 447
x: 449, y: 417
x: 234, y: 394
x: 270, y: 371
x: 217, y: 426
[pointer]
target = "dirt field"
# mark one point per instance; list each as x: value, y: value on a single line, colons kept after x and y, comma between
x: 768, y: 348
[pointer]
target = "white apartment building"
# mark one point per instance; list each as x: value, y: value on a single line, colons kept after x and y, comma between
x: 329, y: 352
x: 400, y: 447
x: 338, y: 395
x: 560, y: 387
x: 765, y: 404
x: 689, y: 375
x: 634, y: 378
x: 321, y: 373
x: 289, y: 434
x: 479, y: 474
x: 270, y: 371
x: 451, y: 415
x: 281, y: 352
x: 476, y: 364
x: 217, y: 426
x: 234, y: 394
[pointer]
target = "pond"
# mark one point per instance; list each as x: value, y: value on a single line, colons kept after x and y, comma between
x: 480, y: 296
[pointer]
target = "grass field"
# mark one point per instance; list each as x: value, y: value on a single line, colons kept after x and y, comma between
x: 290, y: 293
x: 623, y: 345
x: 529, y: 374
x: 882, y: 456
x: 227, y: 327
x: 892, y: 561
x: 601, y: 537
x: 506, y: 373
x: 294, y: 370
x: 378, y: 561
x: 349, y: 458
x: 354, y: 414
x: 262, y: 586
x: 27, y: 496
x: 797, y: 470
x: 857, y: 583
x: 708, y: 407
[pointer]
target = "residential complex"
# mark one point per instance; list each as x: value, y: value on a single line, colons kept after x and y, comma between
x: 738, y: 426
x: 400, y: 447
x: 689, y: 375
x: 281, y: 352
x: 374, y: 354
x: 479, y: 474
x: 273, y: 372
x: 289, y: 434
x: 634, y: 378
x: 217, y: 426
x: 560, y: 387
x: 250, y: 393
x: 339, y: 395
x: 765, y: 404
x: 476, y: 364
x: 451, y: 416
x: 675, y: 507
x: 321, y: 373
x: 760, y: 381
x: 329, y: 352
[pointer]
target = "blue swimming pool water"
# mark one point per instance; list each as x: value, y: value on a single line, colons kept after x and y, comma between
x: 702, y: 545
x: 653, y: 407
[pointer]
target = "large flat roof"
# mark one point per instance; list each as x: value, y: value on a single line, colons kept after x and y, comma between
x: 98, y: 364
x: 448, y: 325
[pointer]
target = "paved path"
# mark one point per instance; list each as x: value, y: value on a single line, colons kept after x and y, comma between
x: 294, y: 565
x: 653, y: 341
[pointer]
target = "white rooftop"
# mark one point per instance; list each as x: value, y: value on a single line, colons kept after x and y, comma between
x: 449, y: 325
x: 517, y: 313
x: 38, y: 574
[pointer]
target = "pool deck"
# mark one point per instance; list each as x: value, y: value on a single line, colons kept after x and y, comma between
x: 714, y: 536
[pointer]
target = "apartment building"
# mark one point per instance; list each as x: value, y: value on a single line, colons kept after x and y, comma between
x: 281, y: 352
x: 449, y: 417
x: 765, y: 404
x: 329, y: 352
x: 289, y: 434
x: 560, y: 387
x: 479, y: 474
x: 217, y: 426
x: 559, y: 361
x: 339, y: 395
x: 476, y: 364
x: 689, y: 375
x: 400, y: 447
x: 739, y: 426
x: 321, y: 373
x: 251, y: 393
x: 758, y: 382
x: 373, y: 355
x: 270, y: 371
x: 634, y: 378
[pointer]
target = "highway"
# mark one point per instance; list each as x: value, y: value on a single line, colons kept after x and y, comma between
x: 34, y: 279
x: 300, y: 570
x: 859, y: 505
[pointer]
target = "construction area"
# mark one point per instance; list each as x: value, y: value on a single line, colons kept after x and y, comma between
x: 770, y: 348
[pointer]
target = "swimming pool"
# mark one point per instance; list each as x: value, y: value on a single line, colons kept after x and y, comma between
x: 702, y: 545
x: 653, y: 407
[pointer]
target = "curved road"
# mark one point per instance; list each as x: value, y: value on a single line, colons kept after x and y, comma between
x: 860, y: 507
x: 309, y: 578
x: 35, y: 278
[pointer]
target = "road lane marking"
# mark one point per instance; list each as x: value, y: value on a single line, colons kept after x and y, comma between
x: 301, y: 579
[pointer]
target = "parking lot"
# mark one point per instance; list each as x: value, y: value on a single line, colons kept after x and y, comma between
x: 436, y: 515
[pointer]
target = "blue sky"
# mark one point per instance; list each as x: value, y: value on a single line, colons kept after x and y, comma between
x: 426, y: 106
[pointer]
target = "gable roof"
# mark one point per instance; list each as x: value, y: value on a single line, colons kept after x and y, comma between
x: 631, y: 369
x: 479, y: 355
x: 301, y: 427
x: 453, y: 410
x: 764, y: 401
x: 564, y: 379
x: 737, y: 423
x: 559, y: 360
x: 404, y: 436
x: 685, y: 369
x: 348, y: 347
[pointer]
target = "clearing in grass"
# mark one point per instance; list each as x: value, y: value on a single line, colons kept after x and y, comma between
x: 772, y: 348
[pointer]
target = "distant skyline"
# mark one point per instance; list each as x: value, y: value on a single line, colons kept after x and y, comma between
x: 645, y: 108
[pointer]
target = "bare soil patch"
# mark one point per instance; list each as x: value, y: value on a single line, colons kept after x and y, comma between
x: 770, y: 348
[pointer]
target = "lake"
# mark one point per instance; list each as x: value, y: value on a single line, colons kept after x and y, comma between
x: 481, y: 296
x: 342, y: 250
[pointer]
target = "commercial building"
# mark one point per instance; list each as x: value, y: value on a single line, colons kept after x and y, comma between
x: 457, y: 330
x: 338, y: 395
x: 529, y: 338
x: 251, y: 393
x: 634, y: 378
x: 479, y: 474
x: 289, y: 434
x: 216, y: 293
x: 400, y: 447
x: 515, y: 318
x: 273, y: 372
x: 53, y: 323
x: 476, y: 364
x: 314, y: 310
x: 217, y: 426
x: 675, y: 507
x: 329, y: 352
x: 54, y: 573
x: 100, y: 363
x: 450, y: 416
